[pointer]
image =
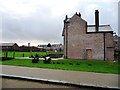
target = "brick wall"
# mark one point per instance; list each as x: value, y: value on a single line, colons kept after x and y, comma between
x: 78, y: 41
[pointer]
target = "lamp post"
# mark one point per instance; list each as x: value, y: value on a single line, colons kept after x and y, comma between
x: 29, y: 48
x: 60, y: 47
x: 13, y: 52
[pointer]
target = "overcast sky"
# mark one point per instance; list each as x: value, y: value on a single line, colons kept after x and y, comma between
x: 119, y: 18
x: 41, y: 21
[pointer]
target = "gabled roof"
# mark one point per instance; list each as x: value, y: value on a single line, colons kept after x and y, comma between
x: 67, y: 20
x: 102, y: 28
x: 7, y: 44
x: 90, y: 28
x: 116, y: 38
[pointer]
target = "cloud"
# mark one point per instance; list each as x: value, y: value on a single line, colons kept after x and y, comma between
x: 39, y: 27
x: 119, y: 18
x: 41, y: 21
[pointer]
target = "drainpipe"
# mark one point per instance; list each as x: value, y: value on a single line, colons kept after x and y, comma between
x: 104, y: 45
x: 66, y: 35
x: 66, y: 39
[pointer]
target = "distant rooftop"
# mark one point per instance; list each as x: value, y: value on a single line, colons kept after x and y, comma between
x: 7, y: 44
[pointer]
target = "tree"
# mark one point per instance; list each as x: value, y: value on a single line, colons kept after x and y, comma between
x: 49, y: 45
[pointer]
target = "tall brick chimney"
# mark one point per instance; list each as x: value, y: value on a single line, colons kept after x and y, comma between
x: 96, y: 20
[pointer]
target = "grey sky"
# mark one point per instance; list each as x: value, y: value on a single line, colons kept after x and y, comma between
x: 119, y: 18
x: 41, y: 21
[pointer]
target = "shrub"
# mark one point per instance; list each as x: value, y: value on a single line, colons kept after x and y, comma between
x: 71, y: 63
x: 53, y: 62
x: 89, y: 64
x: 58, y: 62
x: 6, y: 58
x: 62, y: 63
x: 77, y: 63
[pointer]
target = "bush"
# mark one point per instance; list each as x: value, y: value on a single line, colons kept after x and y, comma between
x: 71, y: 63
x: 62, y: 63
x: 4, y: 58
x: 58, y: 62
x: 77, y: 63
x: 53, y: 62
x: 89, y: 64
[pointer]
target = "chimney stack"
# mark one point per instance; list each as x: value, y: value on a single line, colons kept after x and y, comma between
x: 96, y: 20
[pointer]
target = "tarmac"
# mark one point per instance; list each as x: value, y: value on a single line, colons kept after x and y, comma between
x: 62, y: 76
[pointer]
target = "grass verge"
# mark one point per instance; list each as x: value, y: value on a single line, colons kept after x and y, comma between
x: 75, y: 65
x: 28, y: 54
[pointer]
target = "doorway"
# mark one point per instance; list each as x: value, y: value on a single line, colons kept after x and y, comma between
x: 88, y: 54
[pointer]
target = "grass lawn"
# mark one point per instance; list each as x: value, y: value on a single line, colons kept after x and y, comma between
x: 75, y: 65
x: 28, y: 54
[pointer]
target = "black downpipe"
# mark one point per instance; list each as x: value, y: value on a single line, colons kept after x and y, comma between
x: 66, y: 40
x: 104, y: 45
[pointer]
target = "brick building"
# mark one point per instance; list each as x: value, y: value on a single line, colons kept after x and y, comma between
x: 117, y: 43
x: 82, y: 41
x: 9, y: 47
x: 54, y: 47
x: 29, y: 48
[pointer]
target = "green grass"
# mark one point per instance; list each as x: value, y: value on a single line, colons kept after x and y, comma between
x: 27, y: 54
x: 77, y: 65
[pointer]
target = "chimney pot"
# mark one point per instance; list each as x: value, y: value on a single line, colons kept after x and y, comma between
x: 66, y: 17
x: 76, y: 13
x: 79, y: 14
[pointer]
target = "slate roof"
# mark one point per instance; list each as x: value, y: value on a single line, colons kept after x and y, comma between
x: 91, y: 28
x: 102, y: 28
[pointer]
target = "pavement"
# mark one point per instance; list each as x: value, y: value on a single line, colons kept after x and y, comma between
x: 39, y: 58
x: 63, y: 76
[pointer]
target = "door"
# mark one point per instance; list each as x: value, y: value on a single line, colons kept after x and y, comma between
x: 88, y: 54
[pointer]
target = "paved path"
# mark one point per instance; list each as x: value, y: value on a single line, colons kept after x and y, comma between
x: 85, y: 78
x: 39, y: 58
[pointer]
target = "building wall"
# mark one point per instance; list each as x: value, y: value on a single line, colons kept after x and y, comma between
x: 14, y: 47
x: 66, y: 40
x: 86, y: 46
x: 117, y: 43
x: 110, y: 47
x: 76, y: 30
x: 78, y: 46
